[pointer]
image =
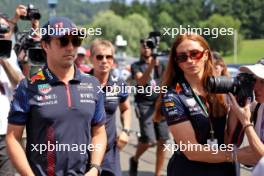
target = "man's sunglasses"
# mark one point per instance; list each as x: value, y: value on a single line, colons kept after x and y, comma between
x: 192, y: 54
x: 100, y: 57
x: 76, y: 41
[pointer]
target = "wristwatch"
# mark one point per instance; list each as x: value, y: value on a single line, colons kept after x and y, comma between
x: 96, y: 166
x: 127, y: 131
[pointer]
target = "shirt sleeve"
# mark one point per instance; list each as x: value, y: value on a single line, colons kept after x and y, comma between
x: 134, y: 70
x: 99, y: 115
x: 173, y: 109
x: 19, y: 110
x: 13, y: 61
x: 123, y: 94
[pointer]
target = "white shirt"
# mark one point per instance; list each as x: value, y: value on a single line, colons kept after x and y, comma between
x: 260, y: 118
x: 6, y: 98
x: 259, y: 168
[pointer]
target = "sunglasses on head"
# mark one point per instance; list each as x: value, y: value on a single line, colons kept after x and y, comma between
x: 76, y: 41
x: 192, y: 54
x: 100, y: 57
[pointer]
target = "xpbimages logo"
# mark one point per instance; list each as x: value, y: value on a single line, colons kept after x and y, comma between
x: 213, y: 32
x: 84, y: 32
x: 116, y: 89
x: 50, y: 147
x: 214, y: 148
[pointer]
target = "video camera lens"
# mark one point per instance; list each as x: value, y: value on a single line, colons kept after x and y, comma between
x: 150, y: 43
x: 153, y: 40
x: 32, y: 13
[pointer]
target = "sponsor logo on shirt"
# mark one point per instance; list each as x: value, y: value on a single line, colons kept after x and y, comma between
x: 49, y: 74
x: 85, y: 86
x: 87, y: 98
x: 44, y: 88
x: 38, y: 76
x: 169, y: 104
x: 50, y: 99
x: 178, y: 88
x: 191, y: 102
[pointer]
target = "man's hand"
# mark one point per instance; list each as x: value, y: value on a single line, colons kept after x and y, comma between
x: 2, y: 61
x: 21, y: 10
x: 92, y: 172
x: 34, y: 23
x: 154, y: 62
x: 122, y: 140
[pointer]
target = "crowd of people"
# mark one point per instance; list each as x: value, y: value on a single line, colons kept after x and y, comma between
x: 69, y: 109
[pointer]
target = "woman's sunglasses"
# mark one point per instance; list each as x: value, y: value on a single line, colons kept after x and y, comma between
x: 192, y: 54
x: 100, y: 57
x: 76, y: 41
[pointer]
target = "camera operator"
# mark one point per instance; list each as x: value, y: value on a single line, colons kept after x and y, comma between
x: 147, y: 72
x: 22, y: 46
x: 10, y: 75
x: 254, y: 132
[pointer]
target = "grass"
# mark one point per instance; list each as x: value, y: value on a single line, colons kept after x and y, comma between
x: 249, y: 53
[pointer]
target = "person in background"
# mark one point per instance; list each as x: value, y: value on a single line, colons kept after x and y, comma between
x: 80, y: 58
x: 219, y: 65
x: 10, y: 76
x: 147, y: 73
x: 254, y: 131
x: 102, y: 55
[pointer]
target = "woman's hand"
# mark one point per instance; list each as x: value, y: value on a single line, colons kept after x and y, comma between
x: 243, y: 114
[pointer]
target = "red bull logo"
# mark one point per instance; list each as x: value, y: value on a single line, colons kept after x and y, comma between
x: 38, y: 76
x: 178, y: 88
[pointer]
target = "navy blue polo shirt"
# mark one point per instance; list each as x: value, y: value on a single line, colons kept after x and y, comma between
x: 179, y: 105
x: 58, y: 114
x: 114, y: 94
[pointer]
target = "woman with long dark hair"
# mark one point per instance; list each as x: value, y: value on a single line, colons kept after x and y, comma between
x: 196, y: 118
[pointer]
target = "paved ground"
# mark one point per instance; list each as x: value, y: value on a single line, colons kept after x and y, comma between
x: 147, y: 161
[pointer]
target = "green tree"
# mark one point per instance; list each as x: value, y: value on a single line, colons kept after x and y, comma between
x: 217, y: 23
x: 249, y: 12
x: 132, y: 28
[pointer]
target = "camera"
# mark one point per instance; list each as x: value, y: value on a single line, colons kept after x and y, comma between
x: 153, y: 40
x: 32, y: 48
x: 4, y: 29
x: 5, y: 45
x: 241, y: 86
x: 32, y: 13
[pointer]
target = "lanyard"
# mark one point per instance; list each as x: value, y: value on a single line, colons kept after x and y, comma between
x: 206, y: 113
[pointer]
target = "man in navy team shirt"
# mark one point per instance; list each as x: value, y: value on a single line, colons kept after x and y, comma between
x: 62, y: 110
x: 102, y: 57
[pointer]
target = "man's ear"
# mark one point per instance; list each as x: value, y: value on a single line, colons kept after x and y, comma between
x: 44, y: 45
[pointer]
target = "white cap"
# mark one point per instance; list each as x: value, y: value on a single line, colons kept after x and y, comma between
x: 256, y: 69
x: 81, y: 50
